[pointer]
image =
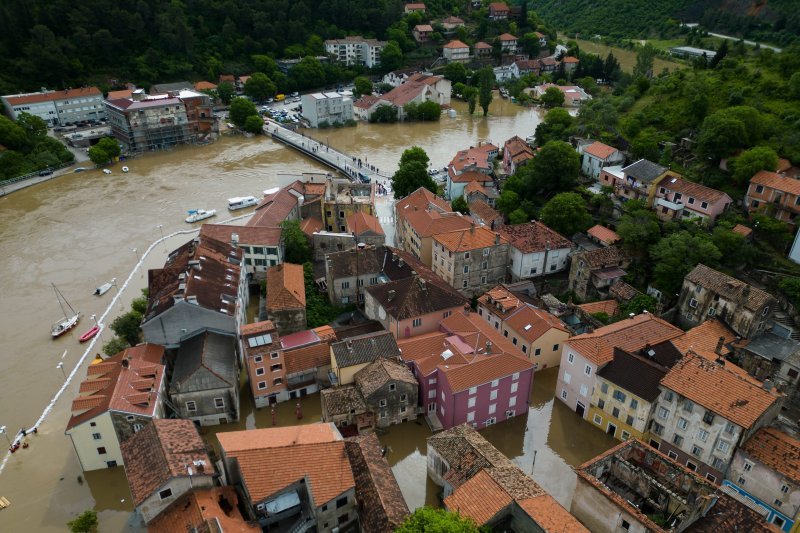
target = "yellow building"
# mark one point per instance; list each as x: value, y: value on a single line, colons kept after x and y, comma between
x: 344, y: 198
x: 353, y: 354
x: 538, y: 334
x: 626, y: 390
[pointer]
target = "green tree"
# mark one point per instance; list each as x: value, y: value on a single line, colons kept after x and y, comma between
x: 98, y: 156
x: 110, y: 145
x: 508, y: 202
x: 437, y: 521
x: 555, y: 168
x: 470, y: 95
x: 772, y: 231
x: 35, y: 127
x: 518, y: 216
x: 485, y: 86
x: 645, y: 57
x: 639, y: 230
x: 460, y: 205
x: 265, y: 64
x: 391, y: 57
x: 241, y: 108
x: 308, y: 73
x: 429, y: 111
x: 794, y: 85
x: 455, y: 72
x: 297, y: 249
x: 556, y: 126
x: 114, y: 346
x: 566, y: 213
x: 638, y: 304
x: 645, y: 145
x: 677, y: 254
x: 721, y: 135
x: 319, y: 310
x: 385, y: 114
x: 104, y: 151
x: 128, y: 327
x: 362, y: 86
x: 735, y: 249
x: 86, y: 522
x: 253, y: 124
x: 753, y: 160
x: 260, y: 87
x: 410, y: 177
x: 791, y: 288
x: 552, y: 97
x: 225, y: 92
x: 415, y: 153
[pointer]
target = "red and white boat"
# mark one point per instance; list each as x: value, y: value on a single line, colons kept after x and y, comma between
x: 68, y: 321
x: 89, y: 334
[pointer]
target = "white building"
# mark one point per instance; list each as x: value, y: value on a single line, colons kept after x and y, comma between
x: 355, y: 50
x: 596, y: 156
x: 456, y: 51
x: 327, y: 107
x: 536, y: 250
x: 58, y: 107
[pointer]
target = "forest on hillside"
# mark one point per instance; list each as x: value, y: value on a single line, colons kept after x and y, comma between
x: 777, y: 21
x: 60, y: 43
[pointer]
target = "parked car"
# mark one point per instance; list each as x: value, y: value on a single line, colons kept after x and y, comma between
x: 79, y: 169
x: 46, y: 172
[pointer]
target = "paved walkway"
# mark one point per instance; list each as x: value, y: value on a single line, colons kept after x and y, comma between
x: 345, y: 163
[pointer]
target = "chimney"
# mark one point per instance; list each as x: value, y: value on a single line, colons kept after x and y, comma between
x: 720, y: 344
x: 767, y: 385
x: 124, y: 363
x: 422, y: 284
x: 745, y: 293
x: 234, y: 239
x: 391, y: 294
x: 496, y: 238
x: 472, y: 228
x: 488, y: 346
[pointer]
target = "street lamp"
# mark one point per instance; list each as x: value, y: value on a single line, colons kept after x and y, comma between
x: 161, y: 231
x: 60, y: 366
x: 3, y: 431
x: 136, y: 252
x: 94, y: 318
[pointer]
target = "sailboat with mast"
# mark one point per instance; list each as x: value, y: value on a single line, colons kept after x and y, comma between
x: 69, y: 320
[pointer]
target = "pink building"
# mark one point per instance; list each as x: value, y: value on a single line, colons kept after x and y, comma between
x: 677, y: 198
x: 468, y: 373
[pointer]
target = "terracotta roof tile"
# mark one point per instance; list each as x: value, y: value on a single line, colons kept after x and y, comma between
x: 534, y: 236
x: 360, y: 223
x: 423, y: 27
x: 718, y: 389
x: 729, y: 287
x: 603, y: 257
x: 500, y: 301
x: 483, y: 211
x: 551, y: 515
x: 366, y: 101
x: 728, y: 514
x: 475, y: 186
x: 274, y: 208
x: 311, y: 225
x: 375, y: 375
x: 570, y: 59
x: 609, y: 307
x: 531, y: 323
x: 247, y: 234
x: 456, y: 44
x: 475, y: 156
x: 364, y: 349
x: 469, y: 176
x: 742, y: 230
x: 51, y: 96
x: 480, y: 498
x: 422, y: 346
x: 507, y: 37
x: 630, y: 334
x: 482, y: 45
x: 421, y: 199
x: 199, y: 509
x: 286, y: 287
x: 776, y: 450
x: 773, y: 180
x: 429, y: 222
x: 695, y: 190
x: 483, y: 369
x: 343, y: 400
x: 161, y: 451
x: 307, y: 358
x: 273, y: 458
x: 473, y: 238
x: 265, y: 326
x: 603, y: 234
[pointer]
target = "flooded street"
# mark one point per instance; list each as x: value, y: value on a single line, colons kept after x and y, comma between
x: 81, y: 230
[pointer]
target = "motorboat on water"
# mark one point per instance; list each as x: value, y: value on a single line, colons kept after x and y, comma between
x: 89, y: 334
x: 196, y: 215
x: 106, y: 171
x: 125, y: 169
x: 270, y: 192
x: 240, y: 202
x: 70, y: 318
x: 104, y: 288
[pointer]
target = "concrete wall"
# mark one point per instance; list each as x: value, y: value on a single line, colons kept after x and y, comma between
x: 532, y: 265
x: 695, y: 302
x: 511, y: 395
x: 641, y: 415
x: 288, y: 320
x: 764, y: 483
x: 207, y: 414
x: 547, y: 356
x: 598, y: 513
x: 328, y: 519
x: 86, y: 445
x: 153, y: 505
x: 573, y: 380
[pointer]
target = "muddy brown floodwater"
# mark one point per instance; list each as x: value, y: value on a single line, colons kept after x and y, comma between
x: 80, y: 230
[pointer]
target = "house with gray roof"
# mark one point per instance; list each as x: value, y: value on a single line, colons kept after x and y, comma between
x: 774, y: 354
x: 353, y: 354
x: 345, y: 407
x: 636, y: 181
x: 205, y: 380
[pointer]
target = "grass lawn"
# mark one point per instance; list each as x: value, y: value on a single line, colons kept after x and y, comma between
x: 626, y: 58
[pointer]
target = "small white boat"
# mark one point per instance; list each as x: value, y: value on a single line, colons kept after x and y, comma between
x: 106, y: 171
x: 240, y: 202
x: 271, y: 191
x: 70, y: 318
x: 125, y: 169
x: 104, y: 288
x: 196, y: 215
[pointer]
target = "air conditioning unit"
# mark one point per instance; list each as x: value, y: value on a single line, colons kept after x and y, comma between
x: 509, y: 413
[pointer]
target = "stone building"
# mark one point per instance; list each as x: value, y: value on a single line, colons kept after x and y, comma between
x: 286, y: 297
x: 709, y: 293
x: 470, y: 260
x: 592, y: 273
x: 390, y: 390
x: 345, y: 407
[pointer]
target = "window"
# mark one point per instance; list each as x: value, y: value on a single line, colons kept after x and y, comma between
x: 381, y: 403
x: 512, y: 401
x: 587, y: 370
x: 164, y: 494
x: 495, y: 382
x: 693, y: 303
x: 723, y: 446
x: 466, y: 255
x: 191, y: 407
x: 563, y: 394
x: 697, y: 451
x: 718, y: 463
x: 598, y: 420
x: 484, y: 265
x: 515, y: 377
x: 555, y: 347
x: 672, y: 455
x: 677, y: 440
x: 345, y: 284
x: 258, y: 359
x: 629, y: 420
x: 274, y: 355
x: 778, y: 521
x: 417, y: 322
x: 524, y: 349
x: 403, y: 398
x: 341, y: 502
x: 219, y: 403
x: 277, y: 381
x: 260, y: 371
x: 748, y: 466
x: 490, y: 421
x: 688, y: 405
x: 584, y: 390
x: 101, y: 450
x: 493, y: 395
x: 691, y: 201
x: 96, y: 436
x: 604, y: 388
x: 486, y: 251
x: 567, y: 378
x: 601, y: 404
x: 759, y: 189
x: 712, y: 479
x: 383, y: 413
x: 471, y: 402
x: 537, y: 352
x: 625, y: 435
x: 466, y: 269
x: 571, y: 358
x: 729, y: 428
x: 741, y: 481
x: 473, y: 390
x: 342, y: 519
x: 704, y: 205
x: 465, y: 284
x: 392, y: 387
x: 785, y: 488
x: 514, y: 387
x: 615, y: 412
x: 276, y: 367
x: 514, y: 341
x: 262, y: 385
x: 625, y: 525
x: 432, y: 394
x: 432, y: 381
x: 683, y: 423
x: 492, y: 408
x: 708, y: 418
x: 663, y: 413
x: 702, y: 435
x: 668, y: 396
x: 634, y: 403
x: 619, y: 395
x: 691, y: 466
x: 471, y: 416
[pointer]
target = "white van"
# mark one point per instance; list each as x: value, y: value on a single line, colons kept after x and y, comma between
x: 241, y: 202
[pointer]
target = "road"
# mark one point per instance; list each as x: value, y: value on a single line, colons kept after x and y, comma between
x: 731, y: 38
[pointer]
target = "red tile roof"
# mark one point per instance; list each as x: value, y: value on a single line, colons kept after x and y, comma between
x: 719, y: 390
x: 274, y: 458
x: 472, y: 238
x: 405, y: 93
x: 307, y: 358
x: 51, y: 96
x: 482, y: 45
x: 475, y: 156
x: 248, y: 235
x: 366, y: 101
x: 775, y: 181
x: 310, y: 225
x: 570, y: 59
x: 423, y: 28
x: 742, y: 230
x: 162, y: 450
x: 122, y: 93
x: 603, y: 234
x: 500, y: 301
x: 204, y: 86
x: 776, y: 450
x: 695, y: 190
x: 361, y: 222
x: 531, y: 323
x: 533, y: 237
x: 456, y: 44
x: 429, y: 222
x: 286, y: 287
x: 421, y: 199
x: 483, y: 211
x: 507, y: 37
x: 201, y: 508
x: 630, y: 334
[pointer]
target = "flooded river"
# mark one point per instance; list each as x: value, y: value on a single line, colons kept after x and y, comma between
x: 80, y: 230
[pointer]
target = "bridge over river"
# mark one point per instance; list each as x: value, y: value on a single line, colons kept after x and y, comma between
x: 347, y: 164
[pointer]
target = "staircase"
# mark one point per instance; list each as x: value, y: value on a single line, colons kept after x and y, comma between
x: 785, y: 320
